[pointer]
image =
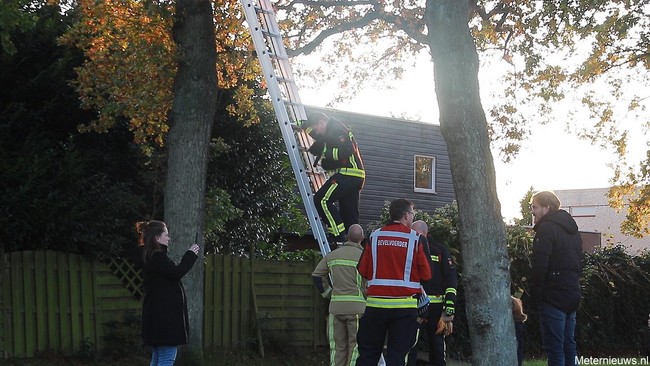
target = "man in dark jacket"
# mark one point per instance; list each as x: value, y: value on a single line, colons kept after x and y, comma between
x: 339, y: 155
x: 555, y: 277
x: 441, y: 289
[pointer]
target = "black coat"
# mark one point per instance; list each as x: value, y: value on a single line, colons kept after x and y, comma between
x: 557, y: 261
x: 444, y: 279
x: 164, y: 309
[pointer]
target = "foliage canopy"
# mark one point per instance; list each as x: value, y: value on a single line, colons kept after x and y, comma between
x: 595, y: 55
x: 130, y: 63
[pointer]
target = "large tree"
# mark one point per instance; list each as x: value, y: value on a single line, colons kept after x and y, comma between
x: 442, y: 27
x: 581, y: 63
x: 554, y: 49
x: 167, y: 89
x: 192, y: 115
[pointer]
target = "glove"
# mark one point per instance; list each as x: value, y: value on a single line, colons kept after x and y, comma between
x: 423, y: 305
x: 445, y: 325
x: 328, y: 164
x: 327, y: 293
x: 441, y: 328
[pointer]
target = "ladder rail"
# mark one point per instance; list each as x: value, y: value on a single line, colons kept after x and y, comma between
x: 287, y: 115
x: 276, y: 51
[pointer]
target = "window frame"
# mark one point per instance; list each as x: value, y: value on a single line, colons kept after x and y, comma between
x: 583, y: 210
x: 431, y: 190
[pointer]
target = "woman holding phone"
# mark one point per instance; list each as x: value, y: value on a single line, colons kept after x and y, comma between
x: 165, y: 323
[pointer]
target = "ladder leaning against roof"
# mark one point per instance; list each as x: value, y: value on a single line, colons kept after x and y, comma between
x: 290, y: 112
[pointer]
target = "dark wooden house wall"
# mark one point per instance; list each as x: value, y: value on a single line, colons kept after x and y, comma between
x: 388, y: 148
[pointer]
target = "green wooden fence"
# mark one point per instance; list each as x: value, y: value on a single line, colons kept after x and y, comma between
x: 59, y: 301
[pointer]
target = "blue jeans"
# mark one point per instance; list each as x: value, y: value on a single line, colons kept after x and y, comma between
x: 558, y: 335
x: 163, y: 355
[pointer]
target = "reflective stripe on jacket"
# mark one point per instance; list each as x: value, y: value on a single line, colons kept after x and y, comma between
x: 394, y: 262
x: 347, y: 285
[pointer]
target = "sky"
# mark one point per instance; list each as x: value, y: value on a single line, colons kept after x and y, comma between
x: 551, y: 159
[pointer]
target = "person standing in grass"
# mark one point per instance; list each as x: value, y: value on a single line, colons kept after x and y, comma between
x: 347, y: 297
x: 394, y: 262
x: 165, y: 323
x: 555, y: 277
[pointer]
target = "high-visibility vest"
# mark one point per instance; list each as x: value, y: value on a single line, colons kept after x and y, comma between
x: 399, y: 280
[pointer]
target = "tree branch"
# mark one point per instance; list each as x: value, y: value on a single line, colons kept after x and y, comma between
x: 322, y: 36
x: 405, y: 26
x: 324, y: 3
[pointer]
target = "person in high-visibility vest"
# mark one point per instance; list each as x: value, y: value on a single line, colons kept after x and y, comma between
x: 347, y: 297
x: 339, y: 155
x: 441, y: 289
x: 394, y: 262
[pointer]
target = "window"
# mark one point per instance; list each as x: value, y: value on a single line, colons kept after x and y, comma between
x: 583, y: 211
x: 424, y: 174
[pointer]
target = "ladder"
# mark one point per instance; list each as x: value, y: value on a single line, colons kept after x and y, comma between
x: 289, y: 110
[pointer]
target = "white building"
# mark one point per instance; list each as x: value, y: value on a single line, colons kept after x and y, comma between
x: 590, y: 209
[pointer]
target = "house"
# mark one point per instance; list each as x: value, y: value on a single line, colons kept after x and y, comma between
x: 590, y: 209
x: 403, y: 159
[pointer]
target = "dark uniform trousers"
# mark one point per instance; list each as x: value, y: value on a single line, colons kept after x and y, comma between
x: 402, y: 328
x: 343, y: 189
x: 435, y: 342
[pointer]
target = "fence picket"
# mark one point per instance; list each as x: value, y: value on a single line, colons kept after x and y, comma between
x: 40, y: 292
x: 52, y: 286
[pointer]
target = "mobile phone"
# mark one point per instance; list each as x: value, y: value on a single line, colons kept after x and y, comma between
x: 196, y: 238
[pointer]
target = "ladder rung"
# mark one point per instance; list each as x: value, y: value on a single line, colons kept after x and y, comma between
x: 275, y: 56
x: 288, y: 102
x: 282, y: 79
x: 271, y: 34
x: 259, y: 9
x: 314, y: 173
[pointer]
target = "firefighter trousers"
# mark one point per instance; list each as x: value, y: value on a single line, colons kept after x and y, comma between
x: 342, y: 334
x: 435, y: 342
x: 345, y: 190
x: 396, y: 326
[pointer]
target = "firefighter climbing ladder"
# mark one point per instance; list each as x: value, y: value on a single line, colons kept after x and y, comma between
x: 261, y: 20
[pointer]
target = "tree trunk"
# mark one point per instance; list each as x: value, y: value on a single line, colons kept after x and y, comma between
x: 483, y: 242
x: 192, y: 115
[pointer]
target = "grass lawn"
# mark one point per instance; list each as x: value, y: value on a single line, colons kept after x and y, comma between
x: 297, y: 357
x: 284, y: 357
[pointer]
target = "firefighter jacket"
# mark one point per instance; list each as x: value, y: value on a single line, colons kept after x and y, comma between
x: 348, y: 286
x: 441, y: 288
x: 338, y: 150
x: 394, y: 263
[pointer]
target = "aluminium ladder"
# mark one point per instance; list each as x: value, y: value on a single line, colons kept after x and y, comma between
x: 289, y: 110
